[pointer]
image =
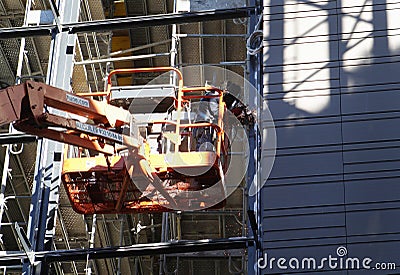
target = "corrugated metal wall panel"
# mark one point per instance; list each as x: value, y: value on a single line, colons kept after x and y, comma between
x: 331, y: 82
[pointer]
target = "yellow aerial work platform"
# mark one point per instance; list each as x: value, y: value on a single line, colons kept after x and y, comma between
x: 114, y: 168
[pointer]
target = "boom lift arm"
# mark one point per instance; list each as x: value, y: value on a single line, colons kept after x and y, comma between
x: 111, y: 184
x: 27, y: 106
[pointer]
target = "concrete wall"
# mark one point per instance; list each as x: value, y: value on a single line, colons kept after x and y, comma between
x: 332, y: 83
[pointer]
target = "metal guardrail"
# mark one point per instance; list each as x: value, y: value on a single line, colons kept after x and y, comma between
x: 127, y: 23
x: 12, y: 138
x: 15, y: 257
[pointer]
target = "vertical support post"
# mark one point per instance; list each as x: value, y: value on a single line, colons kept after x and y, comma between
x: 254, y: 70
x: 11, y: 129
x: 45, y: 194
x: 164, y: 223
x: 3, y: 186
x: 23, y: 42
x: 174, y: 41
x: 121, y: 242
x: 164, y: 238
x: 91, y: 244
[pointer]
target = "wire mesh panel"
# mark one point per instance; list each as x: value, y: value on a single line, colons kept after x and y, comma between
x: 233, y: 225
x: 73, y: 222
x: 79, y: 75
x: 12, y: 5
x: 34, y: 62
x: 7, y: 77
x: 8, y: 46
x: 204, y: 266
x: 96, y: 9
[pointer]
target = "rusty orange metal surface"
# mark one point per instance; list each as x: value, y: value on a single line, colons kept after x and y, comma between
x: 120, y: 195
x: 10, y: 103
x: 24, y: 106
x: 105, y: 184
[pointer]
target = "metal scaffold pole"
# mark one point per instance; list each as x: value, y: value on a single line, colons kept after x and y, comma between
x: 5, y: 175
x: 45, y: 193
x: 254, y: 76
x: 4, y: 179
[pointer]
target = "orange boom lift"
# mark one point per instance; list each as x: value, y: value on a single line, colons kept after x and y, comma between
x: 110, y: 167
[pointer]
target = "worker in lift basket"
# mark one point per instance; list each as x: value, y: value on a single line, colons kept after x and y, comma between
x: 207, y: 112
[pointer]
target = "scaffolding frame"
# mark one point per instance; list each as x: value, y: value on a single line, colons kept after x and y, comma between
x: 48, y: 167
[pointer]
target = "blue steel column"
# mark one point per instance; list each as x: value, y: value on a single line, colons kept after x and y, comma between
x: 45, y: 197
x: 254, y: 76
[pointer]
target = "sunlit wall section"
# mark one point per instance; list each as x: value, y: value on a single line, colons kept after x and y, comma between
x: 298, y: 53
x: 331, y: 82
x: 304, y: 195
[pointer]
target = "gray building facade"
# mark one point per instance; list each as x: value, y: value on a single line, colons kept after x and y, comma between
x: 331, y: 82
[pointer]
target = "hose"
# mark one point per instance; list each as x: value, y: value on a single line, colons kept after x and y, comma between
x: 254, y: 43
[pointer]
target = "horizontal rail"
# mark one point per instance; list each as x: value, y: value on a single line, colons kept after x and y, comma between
x: 127, y: 23
x: 14, y: 257
x: 13, y: 138
x: 189, y: 125
x: 200, y: 89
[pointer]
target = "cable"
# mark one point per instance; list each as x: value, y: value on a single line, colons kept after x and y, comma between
x: 12, y: 150
x: 254, y: 42
x: 240, y: 21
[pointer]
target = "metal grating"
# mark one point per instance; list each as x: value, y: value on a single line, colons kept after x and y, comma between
x: 213, y: 51
x: 96, y: 9
x: 73, y: 221
x: 160, y: 33
x: 190, y: 48
x: 7, y: 76
x: 17, y: 21
x: 91, y: 46
x: 9, y: 47
x: 34, y: 63
x: 143, y: 36
x: 12, y: 5
x: 28, y: 157
x: 233, y: 225
x: 203, y: 266
x: 193, y: 76
x: 42, y: 47
x: 39, y: 5
x: 235, y: 47
x: 139, y: 36
x: 8, y: 238
x: 79, y: 74
x: 157, y: 6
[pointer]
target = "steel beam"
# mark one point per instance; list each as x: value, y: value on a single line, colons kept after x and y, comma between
x: 211, y: 254
x: 123, y: 58
x: 45, y: 195
x: 30, y: 31
x: 209, y: 35
x: 175, y: 248
x: 127, y: 23
x: 12, y: 138
x: 255, y: 77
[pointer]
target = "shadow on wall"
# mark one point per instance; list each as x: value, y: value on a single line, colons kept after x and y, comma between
x: 332, y: 85
x: 321, y: 60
